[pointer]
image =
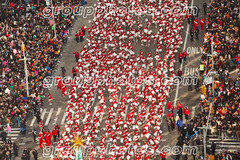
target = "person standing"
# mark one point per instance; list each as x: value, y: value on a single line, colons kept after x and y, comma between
x: 163, y: 155
x: 4, y: 136
x: 197, y: 33
x: 202, y: 22
x: 179, y: 125
x: 205, y: 8
x: 83, y: 28
x: 35, y: 154
x: 38, y: 116
x: 15, y: 149
x: 74, y: 72
x: 77, y: 37
x: 180, y: 57
x: 191, y: 34
x: 34, y: 134
x: 54, y: 133
x: 180, y: 144
x: 57, y: 128
x: 184, y: 56
x: 180, y: 113
x: 63, y: 72
x: 81, y: 34
x: 168, y: 123
x: 186, y: 112
x: 213, y: 148
x: 179, y: 74
x: 49, y: 138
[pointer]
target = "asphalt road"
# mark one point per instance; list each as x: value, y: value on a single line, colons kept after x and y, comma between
x: 55, y: 113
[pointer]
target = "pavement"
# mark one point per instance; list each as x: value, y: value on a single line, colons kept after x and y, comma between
x: 52, y: 114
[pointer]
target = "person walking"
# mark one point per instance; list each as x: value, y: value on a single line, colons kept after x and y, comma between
x: 9, y: 129
x: 180, y: 112
x: 34, y: 134
x: 35, y: 154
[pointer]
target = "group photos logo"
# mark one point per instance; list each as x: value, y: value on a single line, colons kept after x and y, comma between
x: 111, y: 149
x: 114, y: 10
x: 50, y: 81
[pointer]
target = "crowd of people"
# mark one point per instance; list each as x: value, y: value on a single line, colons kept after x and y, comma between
x: 222, y: 30
x: 24, y: 23
x: 140, y: 125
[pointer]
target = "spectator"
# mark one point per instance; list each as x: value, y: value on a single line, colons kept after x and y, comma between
x: 179, y: 125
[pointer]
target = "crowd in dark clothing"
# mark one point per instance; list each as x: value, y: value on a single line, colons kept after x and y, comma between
x: 8, y: 149
x: 223, y: 26
x: 25, y: 23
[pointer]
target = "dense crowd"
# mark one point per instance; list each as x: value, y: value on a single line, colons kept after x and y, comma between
x: 222, y: 30
x: 25, y: 24
x: 228, y: 155
x: 223, y: 26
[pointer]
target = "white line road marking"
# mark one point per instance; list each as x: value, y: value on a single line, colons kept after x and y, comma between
x: 33, y: 120
x: 64, y: 117
x: 49, y: 116
x: 58, y: 112
x: 43, y: 113
x: 193, y: 112
x: 184, y: 47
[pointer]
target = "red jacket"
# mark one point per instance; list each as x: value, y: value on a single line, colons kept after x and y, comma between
x: 184, y: 54
x: 81, y: 34
x: 54, y: 133
x: 186, y: 111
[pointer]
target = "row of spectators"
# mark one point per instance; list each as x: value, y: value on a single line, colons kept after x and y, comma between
x: 222, y: 30
x: 25, y: 23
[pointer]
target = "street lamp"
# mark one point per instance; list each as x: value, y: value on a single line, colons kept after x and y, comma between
x: 206, y: 128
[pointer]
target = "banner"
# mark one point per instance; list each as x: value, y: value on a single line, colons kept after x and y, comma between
x: 208, y: 80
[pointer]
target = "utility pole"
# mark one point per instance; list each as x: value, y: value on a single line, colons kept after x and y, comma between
x: 205, y: 129
x: 25, y: 67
